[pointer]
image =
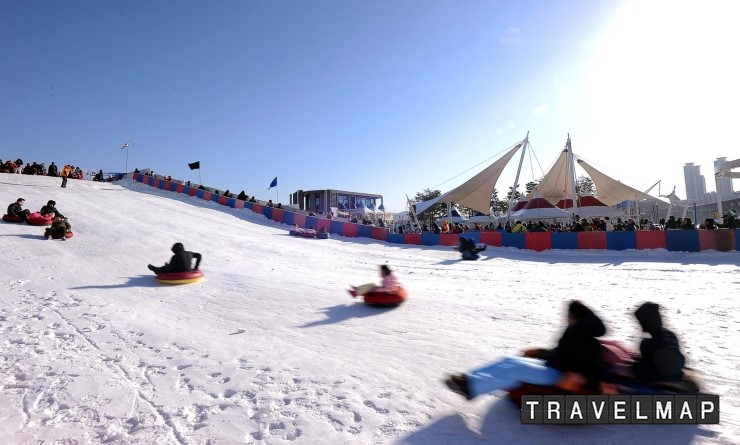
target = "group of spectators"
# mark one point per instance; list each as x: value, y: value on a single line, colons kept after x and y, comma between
x: 596, y: 224
x: 18, y: 166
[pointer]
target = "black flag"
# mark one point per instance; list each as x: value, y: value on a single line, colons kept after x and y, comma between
x: 194, y: 165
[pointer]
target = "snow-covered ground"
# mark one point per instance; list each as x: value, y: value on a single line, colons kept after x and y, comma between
x: 271, y: 349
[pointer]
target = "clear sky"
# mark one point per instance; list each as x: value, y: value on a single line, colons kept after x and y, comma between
x: 386, y: 97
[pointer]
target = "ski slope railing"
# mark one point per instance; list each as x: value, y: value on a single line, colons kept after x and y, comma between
x: 672, y: 240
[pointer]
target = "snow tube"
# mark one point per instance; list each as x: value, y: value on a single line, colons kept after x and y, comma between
x: 56, y: 235
x: 386, y: 298
x: 37, y: 219
x: 322, y: 235
x: 15, y: 219
x: 308, y: 234
x: 191, y: 276
x: 467, y: 255
x: 295, y: 232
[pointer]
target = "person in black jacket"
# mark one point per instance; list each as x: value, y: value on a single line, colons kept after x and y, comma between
x: 181, y: 261
x: 53, y: 171
x: 16, y: 209
x: 50, y: 207
x: 468, y: 249
x: 660, y: 356
x: 578, y: 351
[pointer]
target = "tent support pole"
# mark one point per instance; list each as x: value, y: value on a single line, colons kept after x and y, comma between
x: 516, y: 179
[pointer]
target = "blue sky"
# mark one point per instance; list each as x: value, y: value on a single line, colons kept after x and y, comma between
x: 387, y: 97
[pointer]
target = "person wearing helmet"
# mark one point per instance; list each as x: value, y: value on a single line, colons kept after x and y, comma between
x: 181, y: 261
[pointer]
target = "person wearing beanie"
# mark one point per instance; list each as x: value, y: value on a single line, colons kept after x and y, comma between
x: 181, y: 261
x: 660, y: 356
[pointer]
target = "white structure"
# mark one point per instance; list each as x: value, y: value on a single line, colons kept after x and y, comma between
x: 696, y: 186
x: 725, y: 189
x: 722, y: 171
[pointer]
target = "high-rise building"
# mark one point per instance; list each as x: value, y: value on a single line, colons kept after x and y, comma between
x: 724, y: 185
x: 696, y: 186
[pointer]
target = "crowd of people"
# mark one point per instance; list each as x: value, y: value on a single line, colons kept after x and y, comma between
x: 730, y: 220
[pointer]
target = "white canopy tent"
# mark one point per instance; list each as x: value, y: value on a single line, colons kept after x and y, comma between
x: 476, y: 191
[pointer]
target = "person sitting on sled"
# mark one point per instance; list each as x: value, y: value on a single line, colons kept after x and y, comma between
x: 660, y: 357
x: 181, y: 261
x: 59, y: 228
x: 578, y: 351
x: 389, y: 285
x: 468, y: 249
x: 16, y: 209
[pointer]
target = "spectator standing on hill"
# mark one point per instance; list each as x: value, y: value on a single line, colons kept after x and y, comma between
x: 53, y: 171
x: 66, y: 171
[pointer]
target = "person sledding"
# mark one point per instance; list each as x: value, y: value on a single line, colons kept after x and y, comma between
x: 51, y: 208
x: 578, y: 352
x: 60, y: 228
x: 16, y: 210
x: 181, y: 261
x: 389, y: 284
x: 469, y: 249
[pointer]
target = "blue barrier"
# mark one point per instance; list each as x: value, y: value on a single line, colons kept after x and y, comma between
x: 161, y: 184
x: 150, y: 181
x: 267, y: 211
x: 215, y: 197
x: 289, y: 218
x: 231, y: 202
x: 249, y: 205
x: 395, y: 238
x: 737, y: 239
x: 364, y: 231
x: 200, y: 193
x: 429, y: 239
x: 621, y: 240
x: 312, y: 221
x: 336, y: 227
x: 473, y: 234
x: 513, y: 240
x: 682, y: 240
x: 564, y: 240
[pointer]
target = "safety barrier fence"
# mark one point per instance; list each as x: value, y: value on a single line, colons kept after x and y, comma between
x: 672, y: 240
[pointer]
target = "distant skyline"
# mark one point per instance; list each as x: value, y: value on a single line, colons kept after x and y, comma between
x: 377, y: 97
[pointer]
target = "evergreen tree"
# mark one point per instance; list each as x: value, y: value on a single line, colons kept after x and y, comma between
x: 585, y: 186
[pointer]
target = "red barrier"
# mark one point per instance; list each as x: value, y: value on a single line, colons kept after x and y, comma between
x: 193, y: 191
x: 721, y: 239
x: 179, y: 188
x: 222, y: 200
x: 257, y: 208
x: 350, y: 230
x: 155, y: 184
x: 449, y: 239
x: 380, y: 233
x: 539, y: 241
x: 650, y: 239
x: 299, y: 219
x: 412, y: 238
x: 592, y: 240
x: 238, y: 204
x: 323, y: 224
x: 207, y: 196
x: 491, y: 238
x: 277, y: 215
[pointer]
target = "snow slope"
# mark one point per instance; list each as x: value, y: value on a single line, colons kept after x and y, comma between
x: 271, y: 349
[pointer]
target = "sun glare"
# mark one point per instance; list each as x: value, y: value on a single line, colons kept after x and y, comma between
x: 666, y: 71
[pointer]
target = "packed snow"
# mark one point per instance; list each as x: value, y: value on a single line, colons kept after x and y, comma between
x: 270, y: 348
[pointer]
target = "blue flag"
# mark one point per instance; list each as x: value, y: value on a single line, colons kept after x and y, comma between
x: 273, y: 183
